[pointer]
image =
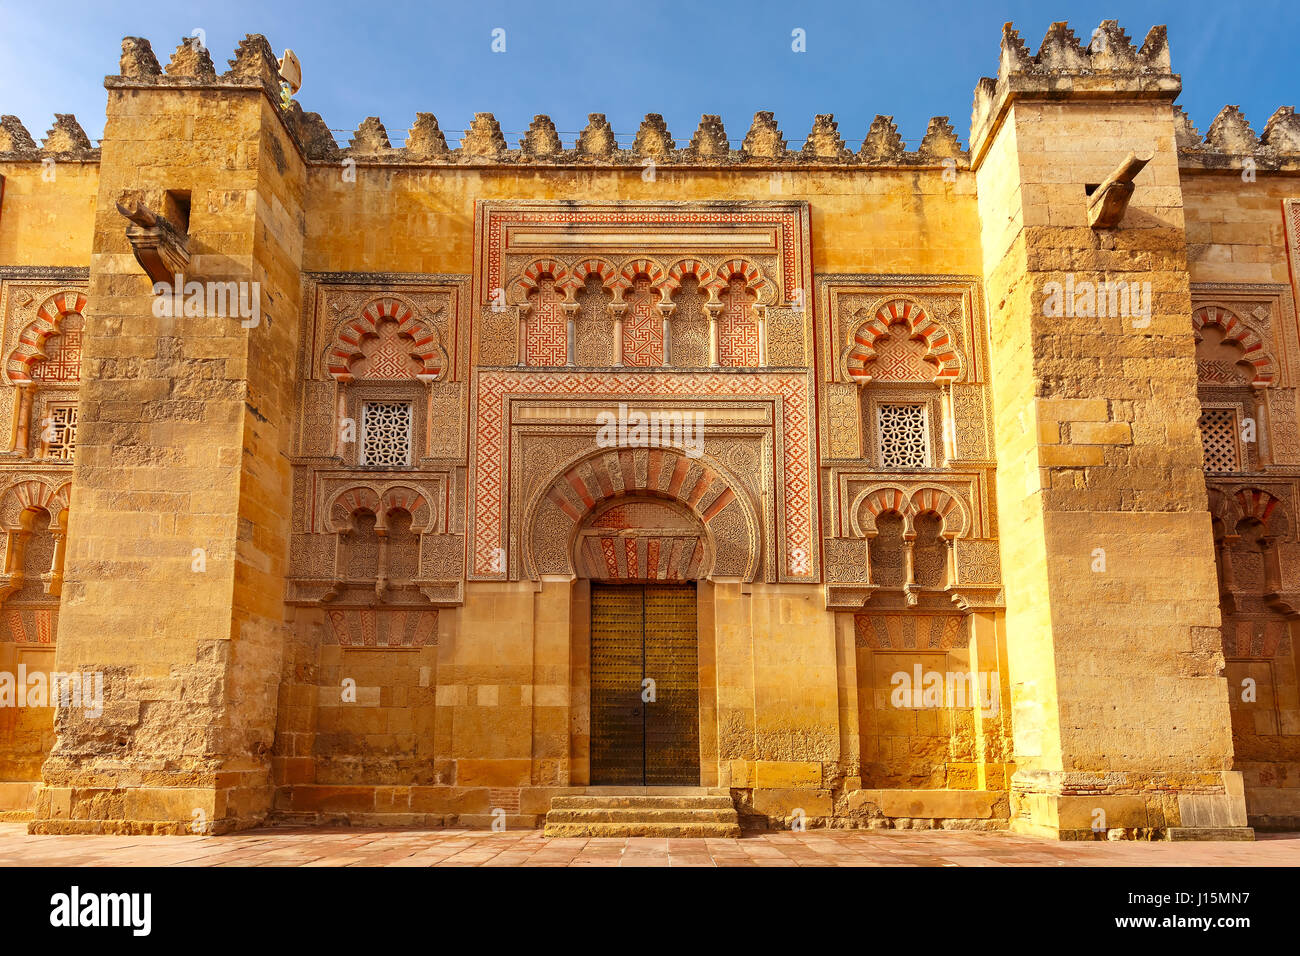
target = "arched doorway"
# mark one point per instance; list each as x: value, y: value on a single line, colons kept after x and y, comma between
x: 641, y: 556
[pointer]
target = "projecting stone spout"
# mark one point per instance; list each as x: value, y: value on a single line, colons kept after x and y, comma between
x: 1108, y: 204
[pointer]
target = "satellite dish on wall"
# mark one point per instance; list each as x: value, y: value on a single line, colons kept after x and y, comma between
x: 291, y: 70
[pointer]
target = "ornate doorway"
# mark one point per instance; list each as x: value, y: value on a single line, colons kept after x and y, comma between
x: 644, y: 685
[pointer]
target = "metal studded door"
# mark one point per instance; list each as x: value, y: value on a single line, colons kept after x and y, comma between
x: 644, y: 734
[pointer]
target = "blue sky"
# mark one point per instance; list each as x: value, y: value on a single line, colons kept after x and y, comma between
x: 913, y: 59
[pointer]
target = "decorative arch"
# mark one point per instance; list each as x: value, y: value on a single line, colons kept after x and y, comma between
x: 405, y: 498
x: 424, y: 343
x: 48, y: 322
x: 1240, y: 333
x: 379, y: 501
x: 527, y: 282
x: 31, y: 494
x: 687, y: 267
x: 874, y: 501
x: 899, y: 309
x: 21, y: 507
x: 642, y: 266
x: 933, y: 500
x: 603, y: 269
x: 339, y: 512
x: 763, y: 290
x: 871, y: 503
x: 703, y: 487
x: 1261, y: 506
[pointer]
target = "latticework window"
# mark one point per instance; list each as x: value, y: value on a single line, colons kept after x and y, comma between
x: 1219, y: 439
x: 903, y: 439
x: 60, y: 432
x: 386, y: 433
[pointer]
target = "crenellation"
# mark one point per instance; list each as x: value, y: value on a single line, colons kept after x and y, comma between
x: 138, y: 60
x: 66, y: 138
x: 882, y: 143
x: 596, y: 141
x: 764, y: 139
x: 940, y: 142
x: 255, y: 61
x: 1231, y: 143
x: 483, y: 138
x: 425, y: 140
x: 191, y: 59
x: 1282, y: 131
x: 541, y: 141
x: 709, y: 141
x: 824, y: 142
x: 370, y: 138
x: 653, y: 139
x: 1231, y: 133
x: 14, y: 138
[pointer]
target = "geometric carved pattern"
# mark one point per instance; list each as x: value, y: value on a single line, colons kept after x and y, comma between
x: 860, y: 362
x: 902, y: 430
x: 1239, y: 333
x: 689, y: 336
x: 644, y: 557
x: 737, y: 331
x: 643, y: 326
x: 1219, y: 439
x: 49, y: 320
x: 901, y: 357
x: 387, y: 356
x: 411, y: 341
x: 63, y: 364
x: 786, y: 224
x: 30, y: 625
x: 887, y: 632
x: 386, y: 433
x: 385, y: 627
x: 546, y: 340
x: 491, y: 458
x: 60, y: 432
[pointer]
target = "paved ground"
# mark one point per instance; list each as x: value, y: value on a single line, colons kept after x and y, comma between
x: 352, y: 847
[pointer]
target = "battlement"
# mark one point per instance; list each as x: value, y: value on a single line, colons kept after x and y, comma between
x: 65, y: 141
x: 483, y: 142
x: 1109, y: 64
x: 1230, y: 141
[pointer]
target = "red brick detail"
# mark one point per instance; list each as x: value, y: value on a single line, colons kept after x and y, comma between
x: 1239, y: 333
x: 939, y: 346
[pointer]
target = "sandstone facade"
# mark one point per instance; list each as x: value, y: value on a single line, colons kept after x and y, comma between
x: 867, y: 487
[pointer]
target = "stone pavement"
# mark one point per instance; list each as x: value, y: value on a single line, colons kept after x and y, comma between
x: 357, y: 847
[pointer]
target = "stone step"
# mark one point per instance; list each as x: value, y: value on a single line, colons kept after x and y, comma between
x: 629, y: 829
x: 656, y: 802
x: 641, y: 815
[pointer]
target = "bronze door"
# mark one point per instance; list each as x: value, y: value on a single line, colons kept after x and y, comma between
x: 644, y: 686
